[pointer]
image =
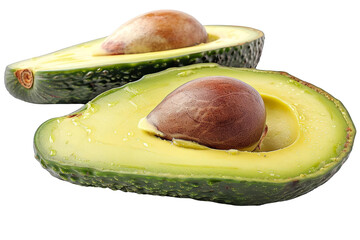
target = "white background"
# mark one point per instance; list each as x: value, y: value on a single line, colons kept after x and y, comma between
x: 317, y: 41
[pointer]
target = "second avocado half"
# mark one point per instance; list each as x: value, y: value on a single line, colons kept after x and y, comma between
x: 310, y: 136
x: 77, y: 75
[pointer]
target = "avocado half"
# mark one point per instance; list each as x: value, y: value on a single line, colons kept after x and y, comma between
x: 309, y: 138
x: 78, y: 74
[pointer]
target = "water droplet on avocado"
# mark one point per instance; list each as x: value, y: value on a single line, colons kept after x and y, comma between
x: 52, y: 152
x: 134, y: 104
x: 74, y: 122
x: 185, y: 73
x: 112, y: 104
x: 131, y: 90
x: 233, y: 151
x: 92, y: 107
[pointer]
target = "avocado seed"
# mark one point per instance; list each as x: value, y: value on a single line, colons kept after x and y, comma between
x: 155, y: 31
x: 218, y: 112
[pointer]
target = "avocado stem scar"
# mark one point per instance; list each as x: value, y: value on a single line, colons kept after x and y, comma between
x: 25, y: 77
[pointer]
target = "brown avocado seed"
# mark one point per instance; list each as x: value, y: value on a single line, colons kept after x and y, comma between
x: 218, y: 112
x: 155, y: 31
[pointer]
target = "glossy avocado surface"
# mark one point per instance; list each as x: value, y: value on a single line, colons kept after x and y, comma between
x: 78, y: 74
x: 310, y: 135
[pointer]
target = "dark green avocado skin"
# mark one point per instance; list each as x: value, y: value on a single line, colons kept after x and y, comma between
x: 83, y: 84
x: 226, y: 191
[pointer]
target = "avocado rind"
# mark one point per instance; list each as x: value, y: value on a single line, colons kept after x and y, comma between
x: 80, y: 85
x: 228, y: 191
x: 240, y: 191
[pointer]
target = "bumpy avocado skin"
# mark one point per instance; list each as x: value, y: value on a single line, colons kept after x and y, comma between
x: 226, y: 191
x: 220, y: 190
x: 83, y: 84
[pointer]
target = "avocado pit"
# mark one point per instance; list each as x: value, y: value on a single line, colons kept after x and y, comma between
x: 217, y: 112
x: 155, y: 31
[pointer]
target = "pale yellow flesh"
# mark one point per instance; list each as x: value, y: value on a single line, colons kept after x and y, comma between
x: 306, y: 132
x: 89, y: 54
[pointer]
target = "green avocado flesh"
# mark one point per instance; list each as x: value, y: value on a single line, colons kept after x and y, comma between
x: 310, y: 136
x: 78, y: 74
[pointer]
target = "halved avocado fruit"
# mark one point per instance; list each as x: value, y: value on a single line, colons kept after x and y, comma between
x: 309, y: 138
x: 78, y: 74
